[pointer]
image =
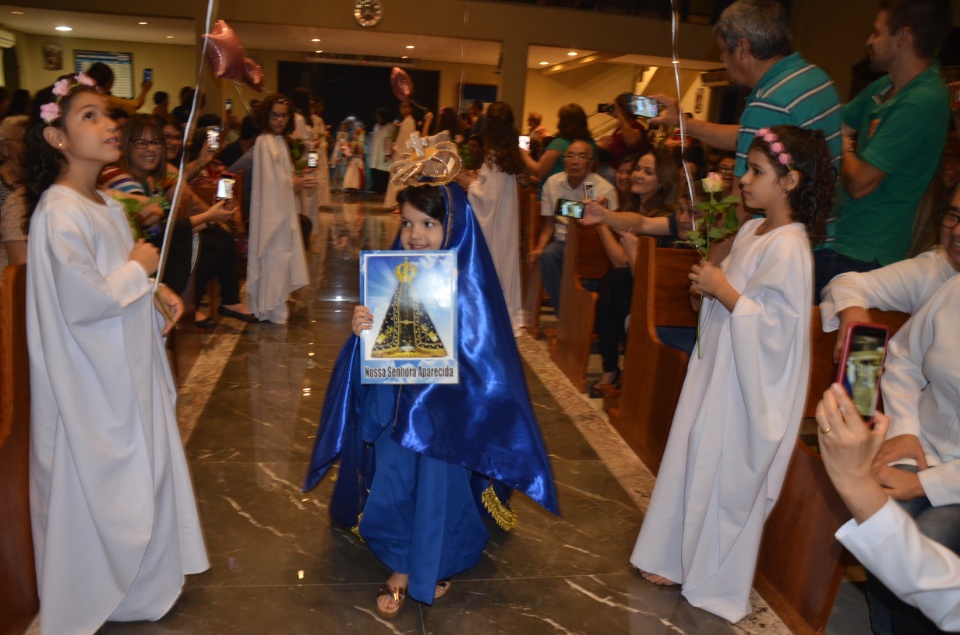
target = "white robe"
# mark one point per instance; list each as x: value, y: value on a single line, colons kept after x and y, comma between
x: 380, y: 146
x: 115, y: 524
x: 493, y: 197
x: 407, y: 127
x: 735, y: 427
x: 276, y: 262
x: 307, y: 199
x: 323, y: 167
x: 922, y: 572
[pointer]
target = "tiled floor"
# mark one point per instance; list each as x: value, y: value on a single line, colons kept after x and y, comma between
x: 279, y: 565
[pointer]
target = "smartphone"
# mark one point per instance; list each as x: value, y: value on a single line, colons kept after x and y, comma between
x: 227, y: 104
x: 524, y: 142
x: 641, y: 106
x: 147, y: 75
x: 213, y: 138
x: 861, y: 364
x: 313, y: 159
x: 570, y: 209
x: 225, y: 186
x: 588, y: 192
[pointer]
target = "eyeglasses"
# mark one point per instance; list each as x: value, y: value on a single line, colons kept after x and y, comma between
x: 169, y: 138
x: 950, y: 219
x: 725, y: 170
x: 279, y: 115
x: 143, y: 144
x: 577, y: 157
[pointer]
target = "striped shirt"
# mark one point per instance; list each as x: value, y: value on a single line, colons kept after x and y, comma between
x: 795, y: 92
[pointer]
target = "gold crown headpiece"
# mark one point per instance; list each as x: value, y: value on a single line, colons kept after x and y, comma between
x: 440, y: 162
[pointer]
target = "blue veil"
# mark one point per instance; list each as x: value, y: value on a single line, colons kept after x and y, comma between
x: 485, y: 423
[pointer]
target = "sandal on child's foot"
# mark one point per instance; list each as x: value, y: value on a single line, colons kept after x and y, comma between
x: 658, y: 580
x: 397, y: 596
x: 442, y: 587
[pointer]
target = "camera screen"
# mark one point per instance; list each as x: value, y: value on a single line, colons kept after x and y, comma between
x: 213, y: 138
x: 524, y: 142
x: 862, y: 370
x: 225, y: 187
x: 312, y: 159
x: 644, y: 106
x: 571, y: 209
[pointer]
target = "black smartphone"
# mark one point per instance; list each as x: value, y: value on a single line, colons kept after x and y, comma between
x: 225, y: 186
x: 213, y: 138
x: 861, y: 365
x: 313, y: 159
x: 524, y: 142
x: 570, y: 209
x: 147, y: 75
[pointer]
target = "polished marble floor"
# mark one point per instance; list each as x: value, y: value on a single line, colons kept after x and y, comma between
x: 249, y: 414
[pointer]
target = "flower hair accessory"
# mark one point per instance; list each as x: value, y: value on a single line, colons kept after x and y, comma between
x: 776, y: 147
x: 440, y: 162
x: 50, y: 111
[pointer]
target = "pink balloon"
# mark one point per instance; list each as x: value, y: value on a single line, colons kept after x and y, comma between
x: 225, y: 52
x: 401, y: 84
x: 253, y: 74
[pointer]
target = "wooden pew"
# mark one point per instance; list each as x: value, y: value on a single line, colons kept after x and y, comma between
x: 583, y: 259
x: 653, y: 373
x: 18, y: 598
x: 531, y: 287
x: 799, y: 567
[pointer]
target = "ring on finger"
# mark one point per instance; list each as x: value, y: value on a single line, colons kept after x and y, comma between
x: 826, y: 430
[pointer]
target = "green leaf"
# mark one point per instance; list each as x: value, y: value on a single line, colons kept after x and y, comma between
x: 717, y: 233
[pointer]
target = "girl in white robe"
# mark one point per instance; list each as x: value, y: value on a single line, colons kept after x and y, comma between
x: 742, y: 401
x: 115, y: 524
x: 493, y: 197
x: 407, y: 127
x: 276, y: 261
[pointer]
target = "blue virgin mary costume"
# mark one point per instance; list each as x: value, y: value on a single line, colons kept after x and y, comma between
x: 419, y: 464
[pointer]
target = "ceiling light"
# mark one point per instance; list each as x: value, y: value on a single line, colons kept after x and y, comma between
x: 403, y: 57
x: 141, y: 23
x: 318, y: 51
x: 544, y: 63
x: 316, y: 39
x: 169, y: 37
x: 572, y: 53
x: 410, y: 46
x: 17, y: 12
x: 63, y: 28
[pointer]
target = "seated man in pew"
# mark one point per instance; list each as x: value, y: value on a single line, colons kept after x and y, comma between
x: 918, y: 464
x: 569, y: 185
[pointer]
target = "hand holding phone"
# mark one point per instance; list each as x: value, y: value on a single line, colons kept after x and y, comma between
x: 524, y: 142
x: 225, y: 186
x: 313, y: 159
x: 147, y: 75
x: 861, y: 365
x: 213, y: 138
x: 588, y: 192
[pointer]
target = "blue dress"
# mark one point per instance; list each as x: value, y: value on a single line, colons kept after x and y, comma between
x: 424, y: 463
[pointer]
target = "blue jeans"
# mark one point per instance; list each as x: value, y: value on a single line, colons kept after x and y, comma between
x: 888, y: 614
x: 551, y: 270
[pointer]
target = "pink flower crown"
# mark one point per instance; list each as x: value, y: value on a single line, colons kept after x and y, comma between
x: 50, y: 111
x: 776, y: 147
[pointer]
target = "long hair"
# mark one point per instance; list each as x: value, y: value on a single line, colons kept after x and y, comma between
x: 812, y: 199
x: 664, y: 201
x: 426, y: 198
x: 262, y: 113
x: 135, y: 128
x: 43, y: 162
x: 572, y: 123
x: 500, y: 139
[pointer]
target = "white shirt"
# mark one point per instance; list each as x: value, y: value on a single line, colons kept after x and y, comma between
x: 902, y: 286
x: 918, y: 570
x: 921, y: 390
x: 558, y: 186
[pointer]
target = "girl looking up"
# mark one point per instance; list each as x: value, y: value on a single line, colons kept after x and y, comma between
x: 742, y: 401
x: 444, y: 455
x: 115, y: 525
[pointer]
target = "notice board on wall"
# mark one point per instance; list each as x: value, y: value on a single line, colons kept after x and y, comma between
x: 120, y: 63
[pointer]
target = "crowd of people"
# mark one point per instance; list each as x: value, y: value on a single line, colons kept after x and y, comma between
x: 828, y: 200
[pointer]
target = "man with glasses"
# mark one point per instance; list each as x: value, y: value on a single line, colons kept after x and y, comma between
x: 571, y: 185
